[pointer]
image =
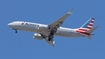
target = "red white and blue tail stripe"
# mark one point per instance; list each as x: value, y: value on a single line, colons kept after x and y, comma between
x: 87, y: 26
x: 89, y: 23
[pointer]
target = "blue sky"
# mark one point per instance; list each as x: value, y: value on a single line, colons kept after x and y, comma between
x: 23, y: 46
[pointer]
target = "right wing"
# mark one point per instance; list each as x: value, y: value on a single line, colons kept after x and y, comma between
x: 52, y: 28
x: 60, y: 21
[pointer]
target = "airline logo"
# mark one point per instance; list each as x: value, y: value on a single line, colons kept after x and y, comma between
x: 89, y: 24
x: 31, y: 24
x: 86, y: 27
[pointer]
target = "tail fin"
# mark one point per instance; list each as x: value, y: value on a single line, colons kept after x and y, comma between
x: 87, y: 28
x: 88, y: 24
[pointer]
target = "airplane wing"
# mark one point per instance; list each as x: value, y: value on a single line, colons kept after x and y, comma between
x: 45, y: 36
x: 60, y: 21
x: 52, y: 28
x: 51, y: 42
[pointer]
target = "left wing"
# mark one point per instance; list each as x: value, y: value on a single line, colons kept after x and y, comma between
x: 50, y: 42
x: 45, y: 36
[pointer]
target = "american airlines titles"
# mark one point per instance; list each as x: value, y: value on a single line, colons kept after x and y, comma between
x: 31, y: 24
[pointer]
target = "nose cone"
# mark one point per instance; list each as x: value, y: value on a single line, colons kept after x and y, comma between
x: 10, y: 24
x: 15, y: 24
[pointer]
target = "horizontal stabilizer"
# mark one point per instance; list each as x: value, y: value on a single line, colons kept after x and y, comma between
x: 90, y: 31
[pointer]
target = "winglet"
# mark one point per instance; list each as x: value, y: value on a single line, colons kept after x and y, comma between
x: 70, y: 12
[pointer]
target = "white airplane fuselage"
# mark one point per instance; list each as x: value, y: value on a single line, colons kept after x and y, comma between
x: 42, y: 28
x: 48, y: 32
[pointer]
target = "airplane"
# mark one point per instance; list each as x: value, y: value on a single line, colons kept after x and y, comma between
x: 48, y: 32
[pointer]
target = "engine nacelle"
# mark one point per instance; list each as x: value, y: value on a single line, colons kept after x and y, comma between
x: 37, y: 36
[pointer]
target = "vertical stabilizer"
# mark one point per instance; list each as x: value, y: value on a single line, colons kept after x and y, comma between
x: 88, y: 24
x: 87, y: 29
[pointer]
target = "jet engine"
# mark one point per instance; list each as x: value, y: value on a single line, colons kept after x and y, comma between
x: 37, y: 36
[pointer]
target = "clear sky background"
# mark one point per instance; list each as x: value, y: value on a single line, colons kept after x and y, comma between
x: 23, y: 46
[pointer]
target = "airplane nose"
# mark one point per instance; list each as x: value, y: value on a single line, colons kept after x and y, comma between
x: 10, y: 24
